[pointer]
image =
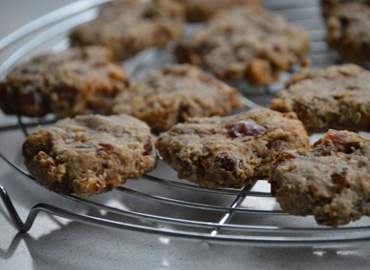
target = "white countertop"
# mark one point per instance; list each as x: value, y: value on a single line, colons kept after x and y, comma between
x: 56, y: 243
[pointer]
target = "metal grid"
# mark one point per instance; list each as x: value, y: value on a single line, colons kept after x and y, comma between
x: 159, y: 203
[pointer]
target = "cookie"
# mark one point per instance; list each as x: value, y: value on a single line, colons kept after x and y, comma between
x: 128, y: 27
x: 66, y: 84
x: 230, y: 151
x: 329, y: 5
x: 200, y: 10
x: 164, y: 98
x: 349, y: 31
x: 337, y: 97
x: 245, y: 44
x: 89, y: 154
x: 331, y: 181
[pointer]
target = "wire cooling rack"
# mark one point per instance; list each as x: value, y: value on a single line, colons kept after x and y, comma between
x: 159, y: 203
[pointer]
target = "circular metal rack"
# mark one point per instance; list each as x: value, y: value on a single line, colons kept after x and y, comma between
x: 160, y: 203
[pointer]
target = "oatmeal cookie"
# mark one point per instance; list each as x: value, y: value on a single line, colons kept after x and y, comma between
x: 89, y: 154
x: 66, y: 84
x: 245, y: 44
x: 230, y: 151
x: 128, y: 27
x: 349, y: 30
x: 337, y: 97
x: 331, y: 181
x: 200, y: 10
x: 164, y: 98
x: 329, y: 5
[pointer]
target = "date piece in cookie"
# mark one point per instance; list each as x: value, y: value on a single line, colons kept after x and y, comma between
x: 349, y: 30
x: 128, y: 27
x: 245, y: 44
x: 337, y: 97
x: 89, y: 154
x: 230, y: 151
x: 331, y: 181
x: 200, y: 10
x: 164, y: 98
x: 66, y: 84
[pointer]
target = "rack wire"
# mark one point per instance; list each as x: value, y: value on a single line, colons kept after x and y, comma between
x: 163, y: 204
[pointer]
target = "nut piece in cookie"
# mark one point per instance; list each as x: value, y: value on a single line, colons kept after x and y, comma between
x: 200, y: 10
x: 66, y: 84
x: 337, y: 97
x: 164, y: 98
x: 128, y: 27
x: 89, y: 154
x: 331, y: 181
x: 349, y: 30
x: 230, y: 151
x: 246, y: 44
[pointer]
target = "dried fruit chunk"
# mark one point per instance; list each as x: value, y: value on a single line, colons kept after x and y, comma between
x: 37, y: 143
x: 224, y: 161
x: 245, y: 128
x: 336, y: 141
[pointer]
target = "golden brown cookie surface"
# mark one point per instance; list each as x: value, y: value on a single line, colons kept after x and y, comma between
x: 230, y: 151
x: 164, y: 98
x: 89, y: 154
x: 331, y: 181
x: 337, y: 97
x: 66, y: 84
